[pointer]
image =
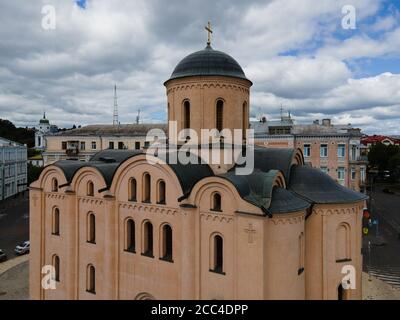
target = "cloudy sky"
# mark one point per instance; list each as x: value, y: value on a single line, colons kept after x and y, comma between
x: 295, y: 51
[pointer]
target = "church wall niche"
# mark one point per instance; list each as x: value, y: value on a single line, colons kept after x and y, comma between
x: 329, y: 222
x: 282, y: 255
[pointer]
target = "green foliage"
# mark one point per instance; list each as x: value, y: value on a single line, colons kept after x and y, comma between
x: 385, y: 157
x: 33, y: 173
x: 33, y: 152
x: 21, y: 135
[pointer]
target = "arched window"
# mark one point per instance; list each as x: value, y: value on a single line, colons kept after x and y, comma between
x: 90, y: 189
x: 146, y: 188
x: 54, y: 185
x: 148, y: 239
x: 132, y: 189
x: 216, y: 204
x: 186, y: 115
x: 169, y: 112
x: 244, y: 119
x: 217, y: 254
x: 342, y: 242
x: 130, y: 235
x: 166, y: 246
x: 56, y: 222
x: 301, y: 253
x: 91, y: 279
x: 219, y: 115
x: 91, y: 228
x: 56, y: 265
x: 161, y: 192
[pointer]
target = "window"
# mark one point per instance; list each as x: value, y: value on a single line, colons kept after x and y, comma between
x: 137, y: 145
x: 362, y: 174
x: 218, y: 259
x: 56, y: 222
x: 56, y: 265
x: 353, y: 174
x: 307, y: 150
x: 216, y: 202
x: 91, y: 279
x: 91, y: 228
x: 83, y: 145
x: 341, y: 150
x: 324, y: 169
x: 94, y: 146
x: 111, y: 145
x: 342, y: 243
x: 353, y: 152
x: 244, y: 120
x: 341, y: 173
x: 148, y: 239
x: 219, y: 115
x: 166, y: 253
x: 120, y: 145
x: 132, y: 189
x: 130, y: 235
x: 54, y: 185
x: 161, y: 192
x: 90, y: 189
x: 301, y: 253
x: 146, y: 188
x: 146, y: 144
x: 64, y: 145
x: 323, y: 150
x: 186, y: 115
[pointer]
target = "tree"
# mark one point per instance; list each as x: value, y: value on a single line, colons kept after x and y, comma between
x: 378, y: 157
x: 21, y: 135
x: 33, y: 173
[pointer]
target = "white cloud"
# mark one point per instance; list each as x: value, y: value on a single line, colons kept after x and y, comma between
x: 70, y: 72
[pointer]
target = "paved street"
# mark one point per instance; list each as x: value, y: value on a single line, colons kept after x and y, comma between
x: 14, y: 223
x: 383, y: 258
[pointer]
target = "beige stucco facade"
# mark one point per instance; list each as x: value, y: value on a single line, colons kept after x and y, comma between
x: 263, y: 257
x: 203, y: 93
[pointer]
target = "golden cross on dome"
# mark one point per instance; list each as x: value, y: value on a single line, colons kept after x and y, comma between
x: 209, y: 31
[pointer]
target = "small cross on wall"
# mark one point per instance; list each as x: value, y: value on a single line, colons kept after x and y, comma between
x: 35, y: 198
x: 250, y: 231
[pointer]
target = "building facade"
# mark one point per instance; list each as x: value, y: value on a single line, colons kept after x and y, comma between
x: 129, y: 225
x: 13, y: 168
x: 334, y: 149
x: 83, y: 143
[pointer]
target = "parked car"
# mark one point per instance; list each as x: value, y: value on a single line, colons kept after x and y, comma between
x: 23, y: 248
x: 3, y: 256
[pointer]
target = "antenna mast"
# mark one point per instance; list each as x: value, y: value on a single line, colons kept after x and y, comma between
x: 115, y: 116
x: 138, y: 117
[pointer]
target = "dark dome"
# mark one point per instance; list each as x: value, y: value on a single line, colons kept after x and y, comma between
x: 208, y: 62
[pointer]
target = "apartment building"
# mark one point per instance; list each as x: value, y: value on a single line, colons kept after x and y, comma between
x: 334, y: 149
x: 82, y: 143
x: 13, y: 168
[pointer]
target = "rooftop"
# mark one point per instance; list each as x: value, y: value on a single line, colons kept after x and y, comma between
x: 113, y: 130
x: 208, y: 62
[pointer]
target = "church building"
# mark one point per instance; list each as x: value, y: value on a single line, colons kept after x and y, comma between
x: 121, y: 227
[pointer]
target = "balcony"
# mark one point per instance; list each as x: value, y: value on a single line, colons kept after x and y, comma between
x: 72, y: 152
x: 360, y: 159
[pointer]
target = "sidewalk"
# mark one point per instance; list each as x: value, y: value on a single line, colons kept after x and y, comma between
x: 4, y: 266
x: 14, y: 279
x: 377, y: 289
